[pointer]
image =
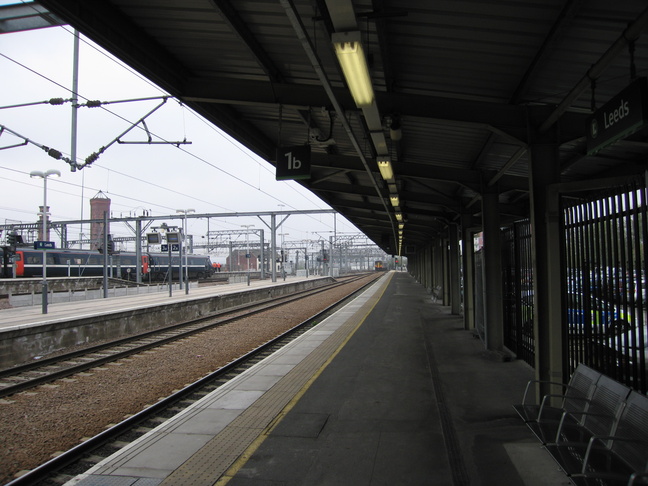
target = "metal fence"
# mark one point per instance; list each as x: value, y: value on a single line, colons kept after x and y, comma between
x: 604, y: 286
x: 518, y: 290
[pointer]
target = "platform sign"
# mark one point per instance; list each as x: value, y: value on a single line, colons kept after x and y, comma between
x: 293, y: 162
x: 164, y: 247
x: 44, y: 245
x: 623, y: 115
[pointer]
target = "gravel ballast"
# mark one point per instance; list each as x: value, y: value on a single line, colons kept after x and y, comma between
x: 36, y: 425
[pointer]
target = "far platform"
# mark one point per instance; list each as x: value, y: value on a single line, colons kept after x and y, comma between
x: 26, y: 333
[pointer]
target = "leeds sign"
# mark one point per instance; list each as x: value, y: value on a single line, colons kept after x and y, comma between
x: 620, y: 117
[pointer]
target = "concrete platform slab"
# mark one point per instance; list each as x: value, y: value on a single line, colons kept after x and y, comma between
x: 397, y: 393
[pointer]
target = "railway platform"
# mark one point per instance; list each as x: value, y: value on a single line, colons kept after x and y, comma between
x: 32, y: 315
x: 26, y: 333
x: 389, y: 390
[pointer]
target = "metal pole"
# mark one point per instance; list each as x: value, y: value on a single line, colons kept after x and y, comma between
x: 247, y: 248
x: 105, y: 255
x: 44, y: 283
x: 138, y: 250
x: 184, y: 243
x: 273, y: 246
x: 186, y: 257
x: 180, y: 259
x: 262, y: 254
x: 74, y: 120
x: 170, y: 272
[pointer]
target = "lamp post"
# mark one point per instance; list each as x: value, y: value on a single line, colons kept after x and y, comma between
x: 184, y: 213
x: 44, y: 176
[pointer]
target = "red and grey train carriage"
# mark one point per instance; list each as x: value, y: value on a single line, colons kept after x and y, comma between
x: 87, y: 263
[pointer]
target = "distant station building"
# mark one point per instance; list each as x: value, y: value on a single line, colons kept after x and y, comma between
x: 99, y: 205
x: 239, y: 263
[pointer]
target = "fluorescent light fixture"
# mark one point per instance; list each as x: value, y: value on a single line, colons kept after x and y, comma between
x: 385, y: 168
x: 399, y: 216
x: 394, y: 200
x: 401, y: 226
x: 350, y: 54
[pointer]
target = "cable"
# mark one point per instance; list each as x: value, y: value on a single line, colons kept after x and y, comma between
x: 160, y: 138
x: 211, y: 126
x: 164, y: 188
x: 58, y: 181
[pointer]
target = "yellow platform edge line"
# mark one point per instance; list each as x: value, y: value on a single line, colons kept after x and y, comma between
x: 245, y: 456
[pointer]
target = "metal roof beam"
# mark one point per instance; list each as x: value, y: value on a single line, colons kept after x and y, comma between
x: 238, y: 25
x: 247, y: 92
x: 557, y: 31
x: 466, y: 177
x: 630, y: 34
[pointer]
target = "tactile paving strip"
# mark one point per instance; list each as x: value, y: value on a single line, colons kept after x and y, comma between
x: 206, y: 466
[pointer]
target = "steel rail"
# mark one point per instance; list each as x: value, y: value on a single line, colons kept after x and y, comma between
x: 72, y: 455
x: 247, y: 309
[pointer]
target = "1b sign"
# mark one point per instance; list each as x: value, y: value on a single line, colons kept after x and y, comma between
x: 293, y: 162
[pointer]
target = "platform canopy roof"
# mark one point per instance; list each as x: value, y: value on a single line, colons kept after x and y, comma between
x: 459, y: 87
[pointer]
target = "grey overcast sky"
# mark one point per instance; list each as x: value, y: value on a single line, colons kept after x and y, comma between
x: 213, y: 174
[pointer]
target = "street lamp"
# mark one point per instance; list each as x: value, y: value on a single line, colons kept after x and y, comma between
x: 184, y: 212
x: 44, y: 176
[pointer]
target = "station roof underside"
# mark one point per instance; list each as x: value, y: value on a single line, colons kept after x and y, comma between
x: 459, y: 87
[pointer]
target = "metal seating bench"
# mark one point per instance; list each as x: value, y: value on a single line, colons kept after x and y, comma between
x: 544, y: 419
x: 603, y: 443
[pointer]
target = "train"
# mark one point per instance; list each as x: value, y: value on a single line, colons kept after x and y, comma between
x: 88, y: 263
x: 379, y: 266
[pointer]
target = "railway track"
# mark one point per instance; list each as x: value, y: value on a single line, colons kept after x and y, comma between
x: 24, y: 377
x: 79, y: 459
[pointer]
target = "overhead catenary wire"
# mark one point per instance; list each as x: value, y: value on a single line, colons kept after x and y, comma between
x: 138, y: 75
x: 92, y: 104
x: 55, y: 153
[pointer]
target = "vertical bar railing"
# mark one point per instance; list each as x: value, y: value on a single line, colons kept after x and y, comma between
x: 518, y: 291
x: 604, y: 286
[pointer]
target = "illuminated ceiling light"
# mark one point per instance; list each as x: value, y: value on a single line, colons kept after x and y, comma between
x: 401, y: 226
x: 394, y: 200
x: 350, y: 54
x: 384, y: 165
x: 399, y: 216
